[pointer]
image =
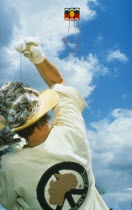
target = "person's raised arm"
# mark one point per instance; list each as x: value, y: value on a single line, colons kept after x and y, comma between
x: 31, y: 49
x: 49, y: 72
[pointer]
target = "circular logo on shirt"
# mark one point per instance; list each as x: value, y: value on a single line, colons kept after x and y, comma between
x: 63, y: 186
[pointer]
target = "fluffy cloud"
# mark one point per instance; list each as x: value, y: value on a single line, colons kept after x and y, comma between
x: 119, y: 200
x: 46, y: 19
x: 116, y: 55
x: 80, y: 73
x: 76, y: 72
x: 36, y: 18
x: 8, y: 19
x: 110, y: 141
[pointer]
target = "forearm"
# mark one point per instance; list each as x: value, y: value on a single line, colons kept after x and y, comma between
x: 49, y: 73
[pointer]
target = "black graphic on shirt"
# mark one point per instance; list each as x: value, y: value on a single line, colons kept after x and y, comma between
x: 63, y: 186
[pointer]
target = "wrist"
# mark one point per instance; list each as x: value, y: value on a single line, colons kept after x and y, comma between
x: 37, y: 60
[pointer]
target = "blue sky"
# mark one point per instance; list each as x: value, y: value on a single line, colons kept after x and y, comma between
x: 101, y: 70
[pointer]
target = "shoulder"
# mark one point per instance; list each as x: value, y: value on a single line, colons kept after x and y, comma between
x: 71, y: 93
x: 8, y: 159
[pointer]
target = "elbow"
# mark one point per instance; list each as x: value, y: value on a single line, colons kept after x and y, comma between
x: 61, y: 82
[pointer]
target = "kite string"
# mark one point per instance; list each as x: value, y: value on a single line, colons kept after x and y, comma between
x: 76, y: 39
x: 20, y: 67
x: 75, y: 44
x: 68, y: 33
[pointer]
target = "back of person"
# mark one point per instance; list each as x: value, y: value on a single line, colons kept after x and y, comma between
x: 57, y: 174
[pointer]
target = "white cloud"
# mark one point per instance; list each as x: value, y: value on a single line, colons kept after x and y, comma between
x: 111, y: 144
x: 76, y: 72
x: 116, y: 55
x: 79, y: 72
x: 47, y: 18
x: 120, y: 200
x: 129, y: 189
x: 36, y: 18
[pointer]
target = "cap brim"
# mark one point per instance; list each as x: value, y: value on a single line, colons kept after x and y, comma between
x: 47, y: 100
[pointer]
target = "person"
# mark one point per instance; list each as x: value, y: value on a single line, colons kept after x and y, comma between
x: 53, y: 169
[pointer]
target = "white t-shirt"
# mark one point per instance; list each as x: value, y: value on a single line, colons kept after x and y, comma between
x: 56, y: 174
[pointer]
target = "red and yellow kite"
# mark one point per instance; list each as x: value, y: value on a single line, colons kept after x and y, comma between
x: 72, y: 14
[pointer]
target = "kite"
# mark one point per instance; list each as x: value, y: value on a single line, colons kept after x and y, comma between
x: 71, y: 14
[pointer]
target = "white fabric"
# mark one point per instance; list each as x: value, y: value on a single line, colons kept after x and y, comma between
x: 63, y: 160
x: 31, y: 49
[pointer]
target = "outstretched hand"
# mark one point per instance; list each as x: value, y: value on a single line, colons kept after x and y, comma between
x: 31, y: 49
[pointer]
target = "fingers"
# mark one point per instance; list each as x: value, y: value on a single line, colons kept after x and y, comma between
x: 25, y: 44
x: 27, y: 54
x: 31, y: 49
x: 35, y: 50
x: 20, y: 46
x: 32, y: 41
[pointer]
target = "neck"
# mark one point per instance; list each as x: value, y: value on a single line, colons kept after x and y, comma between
x: 34, y: 144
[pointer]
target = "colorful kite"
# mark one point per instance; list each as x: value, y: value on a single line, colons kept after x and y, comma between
x: 72, y: 13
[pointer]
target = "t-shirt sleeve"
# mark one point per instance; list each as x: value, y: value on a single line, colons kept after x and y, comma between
x: 68, y: 110
x: 72, y: 94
